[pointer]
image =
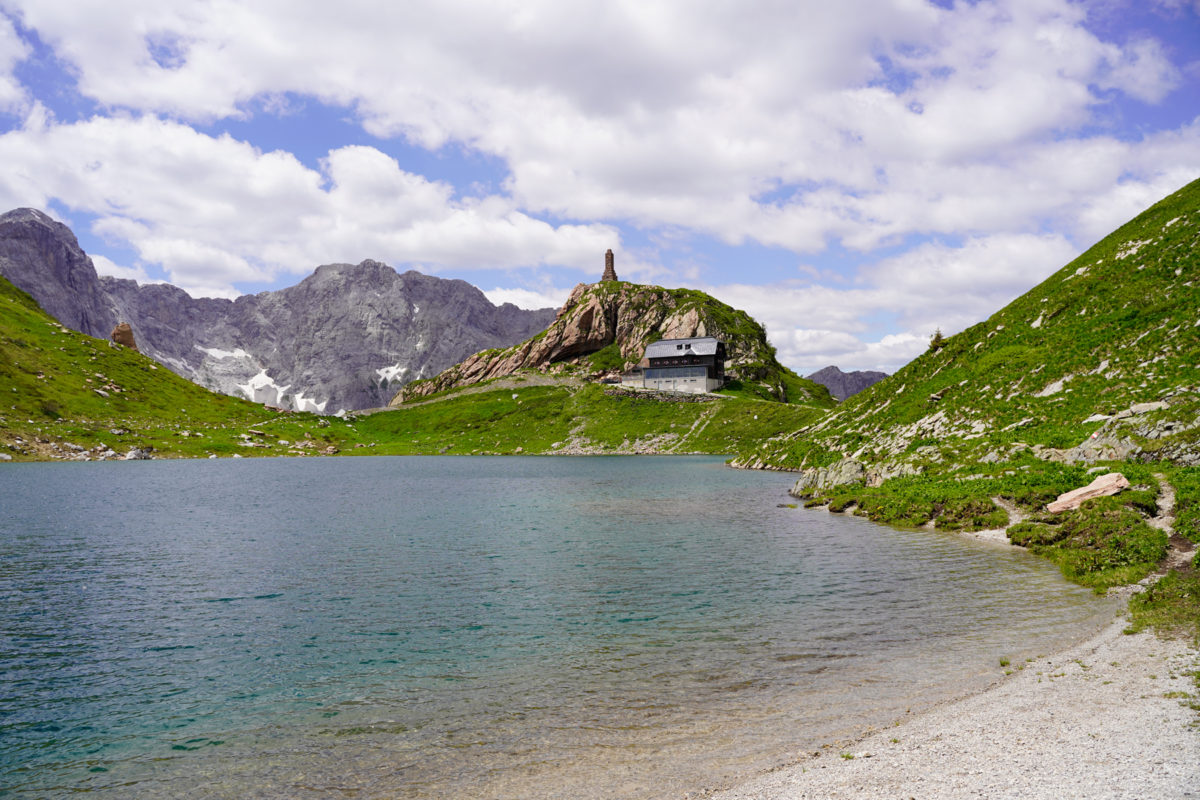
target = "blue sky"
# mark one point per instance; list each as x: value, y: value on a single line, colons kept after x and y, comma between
x: 854, y: 175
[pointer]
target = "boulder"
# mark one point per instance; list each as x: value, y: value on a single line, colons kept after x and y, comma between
x: 123, y: 335
x: 1103, y: 486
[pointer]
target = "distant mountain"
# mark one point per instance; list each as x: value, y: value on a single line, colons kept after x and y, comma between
x: 604, y: 328
x: 844, y: 384
x: 1101, y: 361
x: 345, y: 338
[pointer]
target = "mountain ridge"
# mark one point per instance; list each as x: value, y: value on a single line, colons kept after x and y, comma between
x: 345, y: 337
x: 845, y: 384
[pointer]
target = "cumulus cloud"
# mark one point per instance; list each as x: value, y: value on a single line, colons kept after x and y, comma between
x: 528, y: 298
x: 106, y: 266
x: 13, y: 50
x: 954, y: 137
x: 213, y: 211
x: 887, y: 316
x: 667, y: 113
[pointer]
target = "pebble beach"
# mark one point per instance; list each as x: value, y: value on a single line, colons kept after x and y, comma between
x: 1107, y: 718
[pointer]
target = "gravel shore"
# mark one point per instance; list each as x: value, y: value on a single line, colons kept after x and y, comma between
x: 1104, y: 719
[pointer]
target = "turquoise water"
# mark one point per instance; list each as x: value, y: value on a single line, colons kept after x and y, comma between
x: 471, y: 627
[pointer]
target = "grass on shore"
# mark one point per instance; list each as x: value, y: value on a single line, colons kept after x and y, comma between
x: 1105, y: 543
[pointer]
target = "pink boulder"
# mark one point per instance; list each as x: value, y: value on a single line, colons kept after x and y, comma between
x: 1103, y: 486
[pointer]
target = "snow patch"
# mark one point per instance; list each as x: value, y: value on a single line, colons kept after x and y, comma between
x: 263, y: 389
x: 218, y: 353
x: 391, y: 373
x: 302, y: 403
x: 1037, y: 323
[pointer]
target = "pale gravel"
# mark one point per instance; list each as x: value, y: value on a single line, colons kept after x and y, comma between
x: 1090, y: 722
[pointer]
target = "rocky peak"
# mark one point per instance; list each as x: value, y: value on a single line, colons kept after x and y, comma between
x: 41, y: 256
x: 845, y: 384
x: 621, y: 319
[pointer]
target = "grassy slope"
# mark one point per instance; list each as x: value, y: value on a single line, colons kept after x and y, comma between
x: 1117, y: 326
x: 49, y: 375
x: 578, y: 418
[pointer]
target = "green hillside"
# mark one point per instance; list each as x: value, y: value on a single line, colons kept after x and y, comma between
x: 1097, y: 369
x: 534, y: 414
x: 1101, y: 360
x: 67, y: 395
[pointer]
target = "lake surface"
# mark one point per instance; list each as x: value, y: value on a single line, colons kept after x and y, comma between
x: 472, y: 627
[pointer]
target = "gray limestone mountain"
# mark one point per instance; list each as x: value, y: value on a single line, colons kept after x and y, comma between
x: 346, y: 337
x: 845, y: 384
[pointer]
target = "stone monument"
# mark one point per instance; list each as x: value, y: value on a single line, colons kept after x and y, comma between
x: 610, y: 273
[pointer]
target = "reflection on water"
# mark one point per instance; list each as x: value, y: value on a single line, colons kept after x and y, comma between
x: 505, y: 627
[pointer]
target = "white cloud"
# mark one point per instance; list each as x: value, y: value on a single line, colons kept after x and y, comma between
x: 928, y: 287
x: 528, y: 298
x: 669, y: 113
x: 213, y: 211
x: 105, y: 266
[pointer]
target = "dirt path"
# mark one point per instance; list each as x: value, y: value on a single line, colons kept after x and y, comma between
x: 1180, y: 551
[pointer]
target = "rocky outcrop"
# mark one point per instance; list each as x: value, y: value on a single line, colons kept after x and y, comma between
x: 848, y: 471
x: 1103, y: 486
x: 346, y: 337
x: 621, y: 319
x: 123, y: 335
x: 845, y: 384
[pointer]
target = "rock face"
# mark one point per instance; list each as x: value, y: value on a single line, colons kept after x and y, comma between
x: 847, y: 471
x: 844, y: 384
x: 621, y: 319
x: 42, y: 257
x: 1103, y: 486
x: 123, y: 335
x: 346, y: 337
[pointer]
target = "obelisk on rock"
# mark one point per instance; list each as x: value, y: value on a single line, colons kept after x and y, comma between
x: 610, y: 272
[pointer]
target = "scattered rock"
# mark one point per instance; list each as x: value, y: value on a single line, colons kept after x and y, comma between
x: 1103, y: 486
x: 1146, y: 408
x: 139, y: 454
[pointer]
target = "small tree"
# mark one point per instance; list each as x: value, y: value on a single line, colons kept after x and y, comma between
x: 937, y: 341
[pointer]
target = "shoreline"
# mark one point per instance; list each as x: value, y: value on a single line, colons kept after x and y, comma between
x: 1104, y: 718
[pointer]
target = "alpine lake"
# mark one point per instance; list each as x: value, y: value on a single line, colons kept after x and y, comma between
x: 507, y: 627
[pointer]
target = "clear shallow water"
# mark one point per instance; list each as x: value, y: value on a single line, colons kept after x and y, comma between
x: 487, y: 627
